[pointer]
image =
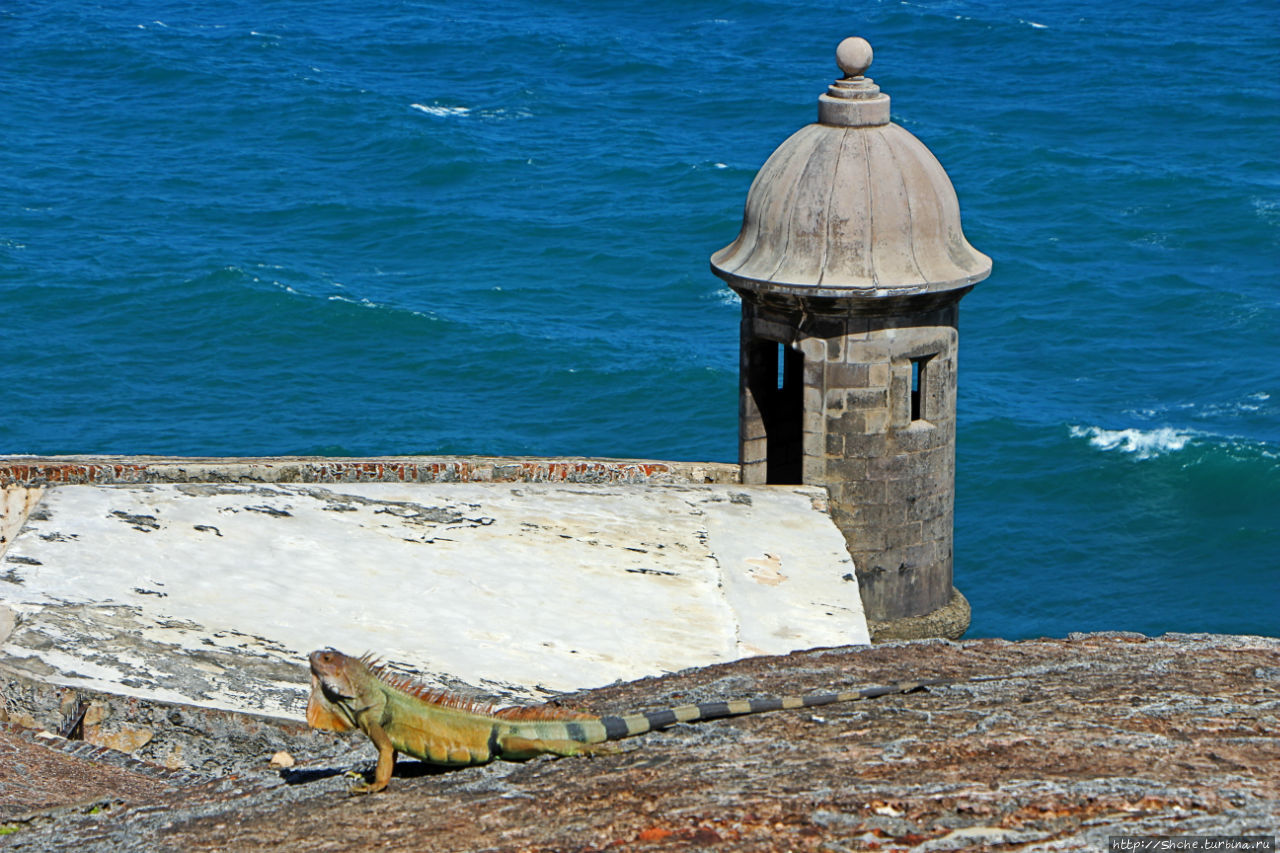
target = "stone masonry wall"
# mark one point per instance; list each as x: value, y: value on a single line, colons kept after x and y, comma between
x: 891, y: 478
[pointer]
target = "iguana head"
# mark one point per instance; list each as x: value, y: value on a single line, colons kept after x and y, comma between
x: 333, y: 686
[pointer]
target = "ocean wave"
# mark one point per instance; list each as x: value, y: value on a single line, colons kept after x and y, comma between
x: 441, y: 112
x: 310, y: 287
x: 1246, y: 406
x: 1200, y: 447
x: 1141, y: 443
x: 365, y: 302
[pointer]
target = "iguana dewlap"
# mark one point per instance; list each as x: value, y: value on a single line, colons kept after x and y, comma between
x: 402, y: 716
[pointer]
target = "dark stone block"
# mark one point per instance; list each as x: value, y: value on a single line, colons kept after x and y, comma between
x: 841, y: 375
x: 877, y: 398
x: 864, y: 446
x: 818, y: 326
x: 933, y: 504
x: 938, y: 529
x: 887, y: 467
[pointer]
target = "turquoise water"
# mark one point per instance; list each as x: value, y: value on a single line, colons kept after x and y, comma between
x: 394, y: 227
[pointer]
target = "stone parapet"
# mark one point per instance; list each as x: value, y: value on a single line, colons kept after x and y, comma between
x: 122, y: 470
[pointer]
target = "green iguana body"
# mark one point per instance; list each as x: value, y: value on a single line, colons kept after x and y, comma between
x: 399, y: 715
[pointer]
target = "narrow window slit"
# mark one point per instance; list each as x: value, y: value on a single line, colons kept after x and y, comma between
x: 918, y: 369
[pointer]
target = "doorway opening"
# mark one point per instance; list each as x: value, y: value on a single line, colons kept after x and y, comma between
x: 776, y: 382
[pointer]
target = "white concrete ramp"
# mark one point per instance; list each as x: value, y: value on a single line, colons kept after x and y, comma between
x: 211, y: 594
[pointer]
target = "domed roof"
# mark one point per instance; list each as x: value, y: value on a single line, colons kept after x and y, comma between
x: 853, y: 205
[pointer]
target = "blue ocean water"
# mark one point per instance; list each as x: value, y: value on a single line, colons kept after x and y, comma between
x: 313, y: 227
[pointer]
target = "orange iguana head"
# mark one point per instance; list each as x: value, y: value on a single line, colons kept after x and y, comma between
x: 332, y: 689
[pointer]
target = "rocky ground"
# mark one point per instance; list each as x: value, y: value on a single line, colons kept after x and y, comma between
x: 1095, y: 735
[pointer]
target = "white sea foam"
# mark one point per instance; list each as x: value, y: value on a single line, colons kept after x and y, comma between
x: 1142, y: 443
x: 725, y: 296
x: 442, y: 112
x: 1034, y: 24
x: 1267, y: 209
x: 365, y: 302
x: 1251, y: 403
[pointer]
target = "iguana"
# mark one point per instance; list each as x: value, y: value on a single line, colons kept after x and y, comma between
x: 400, y: 715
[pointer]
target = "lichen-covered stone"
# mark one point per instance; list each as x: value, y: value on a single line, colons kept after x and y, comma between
x: 1097, y: 735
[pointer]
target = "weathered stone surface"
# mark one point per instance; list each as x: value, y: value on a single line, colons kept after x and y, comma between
x: 949, y: 621
x: 208, y: 593
x: 15, y: 504
x: 43, y: 773
x: 165, y: 734
x: 1097, y: 735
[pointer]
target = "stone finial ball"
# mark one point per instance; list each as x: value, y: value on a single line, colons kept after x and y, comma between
x: 853, y: 55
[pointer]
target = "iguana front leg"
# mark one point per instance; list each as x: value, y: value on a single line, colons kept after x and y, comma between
x: 386, y: 760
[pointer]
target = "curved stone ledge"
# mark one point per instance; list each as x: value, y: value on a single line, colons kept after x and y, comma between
x: 947, y: 622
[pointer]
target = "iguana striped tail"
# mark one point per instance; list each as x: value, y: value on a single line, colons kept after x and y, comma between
x: 609, y: 728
